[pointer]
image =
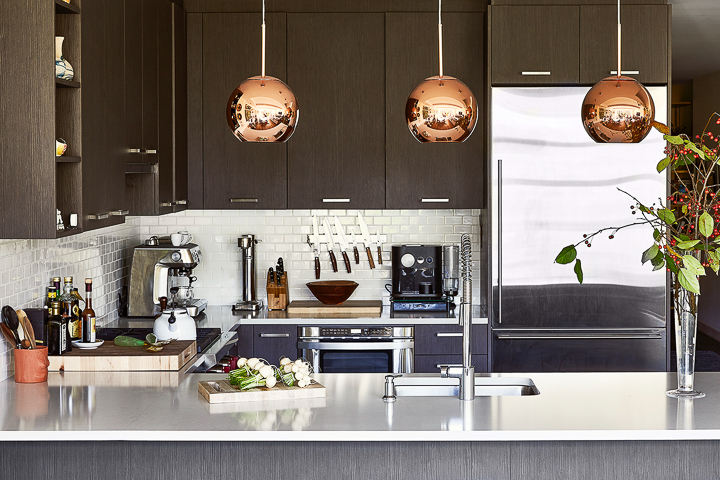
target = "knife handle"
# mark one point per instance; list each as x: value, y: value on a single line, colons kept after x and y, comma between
x: 379, y: 254
x: 357, y: 255
x: 333, y: 260
x: 347, y: 261
x: 370, y: 257
x: 317, y: 268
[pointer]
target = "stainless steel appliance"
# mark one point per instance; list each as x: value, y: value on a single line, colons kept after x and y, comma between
x: 358, y: 349
x: 156, y: 268
x: 248, y: 300
x: 416, y: 272
x: 550, y: 183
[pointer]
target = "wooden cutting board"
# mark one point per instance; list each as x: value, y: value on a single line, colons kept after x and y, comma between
x: 371, y: 308
x: 222, y: 392
x: 110, y: 357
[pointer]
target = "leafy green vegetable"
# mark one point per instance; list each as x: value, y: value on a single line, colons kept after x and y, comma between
x: 123, y: 341
x: 566, y: 255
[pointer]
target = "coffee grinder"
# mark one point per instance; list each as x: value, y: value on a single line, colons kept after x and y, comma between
x: 248, y: 300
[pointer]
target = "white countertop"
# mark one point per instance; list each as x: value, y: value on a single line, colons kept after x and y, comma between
x: 167, y: 407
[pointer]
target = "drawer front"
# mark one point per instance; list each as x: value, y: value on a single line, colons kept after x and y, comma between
x: 429, y: 363
x: 447, y: 339
x: 271, y: 342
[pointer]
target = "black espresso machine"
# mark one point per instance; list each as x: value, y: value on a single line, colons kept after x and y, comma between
x: 424, y: 277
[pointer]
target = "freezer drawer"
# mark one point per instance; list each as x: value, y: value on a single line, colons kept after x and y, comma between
x: 579, y: 351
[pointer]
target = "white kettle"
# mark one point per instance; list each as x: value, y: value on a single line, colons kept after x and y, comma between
x: 175, y: 324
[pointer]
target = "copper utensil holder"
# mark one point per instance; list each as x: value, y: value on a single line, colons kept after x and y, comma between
x: 31, y: 366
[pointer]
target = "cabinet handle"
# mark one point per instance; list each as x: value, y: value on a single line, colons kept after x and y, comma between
x: 151, y: 152
x: 136, y: 150
x: 119, y: 213
x: 535, y: 73
x: 180, y: 202
x: 274, y: 335
x: 166, y: 204
x: 336, y: 200
x: 243, y: 200
x: 449, y: 334
x: 625, y: 72
x: 434, y: 200
x: 99, y: 216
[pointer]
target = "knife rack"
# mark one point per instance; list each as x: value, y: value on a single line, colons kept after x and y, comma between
x: 335, y: 240
x: 277, y: 293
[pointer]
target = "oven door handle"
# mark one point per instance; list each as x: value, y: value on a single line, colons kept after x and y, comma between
x: 395, y: 345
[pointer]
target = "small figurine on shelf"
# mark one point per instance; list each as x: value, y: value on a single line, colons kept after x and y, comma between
x: 60, y: 224
x: 60, y: 147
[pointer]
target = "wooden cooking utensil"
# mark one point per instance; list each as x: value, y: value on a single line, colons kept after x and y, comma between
x: 27, y: 326
x: 7, y: 333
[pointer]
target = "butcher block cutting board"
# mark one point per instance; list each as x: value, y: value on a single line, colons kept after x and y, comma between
x: 370, y: 308
x: 222, y: 392
x: 110, y: 357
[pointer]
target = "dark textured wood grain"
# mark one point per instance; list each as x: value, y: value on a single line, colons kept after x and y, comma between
x: 644, y: 42
x: 330, y: 6
x: 133, y: 77
x: 535, y: 39
x: 165, y: 114
x: 271, y: 349
x: 577, y: 2
x: 414, y: 170
x: 141, y: 193
x: 66, y: 8
x: 233, y: 169
x: 429, y: 363
x: 338, y: 149
x: 195, y: 110
x: 427, y: 341
x: 180, y: 113
x: 705, y: 102
x: 68, y: 184
x: 150, y: 75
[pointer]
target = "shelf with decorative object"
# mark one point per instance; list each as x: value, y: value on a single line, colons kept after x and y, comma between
x: 67, y: 159
x: 62, y: 83
x: 61, y: 6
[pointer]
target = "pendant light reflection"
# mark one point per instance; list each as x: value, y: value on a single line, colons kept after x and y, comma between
x: 264, y: 108
x: 442, y: 108
x: 618, y: 109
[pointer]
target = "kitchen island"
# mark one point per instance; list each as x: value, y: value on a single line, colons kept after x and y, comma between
x: 581, y: 425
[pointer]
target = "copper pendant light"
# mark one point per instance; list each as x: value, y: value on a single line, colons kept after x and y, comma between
x: 618, y: 109
x: 442, y: 108
x: 262, y: 109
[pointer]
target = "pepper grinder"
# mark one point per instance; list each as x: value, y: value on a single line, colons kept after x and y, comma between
x: 248, y: 301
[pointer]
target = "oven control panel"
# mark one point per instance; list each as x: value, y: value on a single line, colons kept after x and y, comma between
x: 356, y: 331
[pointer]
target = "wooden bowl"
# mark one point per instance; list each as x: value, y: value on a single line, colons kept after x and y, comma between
x: 332, y: 292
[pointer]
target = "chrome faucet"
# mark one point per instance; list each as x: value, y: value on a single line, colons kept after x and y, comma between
x: 466, y: 371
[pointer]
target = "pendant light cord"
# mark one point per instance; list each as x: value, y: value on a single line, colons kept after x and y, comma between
x: 262, y: 74
x: 619, y: 40
x: 440, y: 46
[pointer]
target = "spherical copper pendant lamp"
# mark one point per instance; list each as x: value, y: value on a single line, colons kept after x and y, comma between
x: 264, y: 108
x: 442, y: 108
x: 618, y: 109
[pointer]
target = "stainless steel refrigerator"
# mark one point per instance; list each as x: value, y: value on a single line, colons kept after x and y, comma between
x: 551, y: 183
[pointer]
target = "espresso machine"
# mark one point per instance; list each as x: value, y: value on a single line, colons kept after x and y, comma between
x: 157, y: 269
x: 424, y: 277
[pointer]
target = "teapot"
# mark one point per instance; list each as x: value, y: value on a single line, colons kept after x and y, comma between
x: 174, y: 323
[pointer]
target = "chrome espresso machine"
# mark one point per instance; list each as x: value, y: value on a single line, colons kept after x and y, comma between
x: 157, y: 269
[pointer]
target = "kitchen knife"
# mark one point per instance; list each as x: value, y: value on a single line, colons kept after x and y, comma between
x: 376, y: 241
x: 355, y: 250
x: 279, y: 271
x: 271, y: 274
x: 344, y: 245
x: 316, y: 246
x: 329, y: 243
x: 366, y: 238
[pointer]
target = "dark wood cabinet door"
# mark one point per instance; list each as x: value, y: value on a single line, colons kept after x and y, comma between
x: 103, y: 139
x: 336, y: 67
x: 150, y: 75
x: 535, y: 40
x: 644, y: 42
x: 270, y: 342
x: 431, y: 363
x: 240, y: 175
x: 133, y: 77
x: 164, y: 125
x: 448, y: 175
x: 180, y: 163
x: 447, y: 339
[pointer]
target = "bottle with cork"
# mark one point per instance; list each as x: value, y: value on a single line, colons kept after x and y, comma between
x: 88, y: 315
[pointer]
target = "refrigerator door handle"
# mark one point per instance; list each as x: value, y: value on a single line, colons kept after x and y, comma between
x: 639, y: 336
x: 500, y: 229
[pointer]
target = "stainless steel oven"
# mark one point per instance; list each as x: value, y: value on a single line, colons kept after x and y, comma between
x: 358, y: 349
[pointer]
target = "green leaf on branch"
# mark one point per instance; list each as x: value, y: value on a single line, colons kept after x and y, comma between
x: 693, y: 265
x: 666, y: 216
x: 683, y: 237
x: 706, y: 224
x: 663, y: 164
x: 695, y: 149
x: 688, y: 244
x: 566, y: 255
x: 670, y: 261
x: 689, y: 281
x: 675, y: 140
x: 714, y: 260
x: 578, y: 270
x: 643, y: 208
x: 650, y: 253
x: 684, y: 209
x: 656, y: 235
x: 658, y: 261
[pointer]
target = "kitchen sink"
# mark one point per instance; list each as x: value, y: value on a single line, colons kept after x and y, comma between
x: 436, y: 386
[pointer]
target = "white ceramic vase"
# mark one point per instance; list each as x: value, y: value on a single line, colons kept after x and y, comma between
x: 63, y: 69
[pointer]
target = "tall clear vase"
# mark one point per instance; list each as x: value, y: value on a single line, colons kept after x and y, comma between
x: 685, y: 304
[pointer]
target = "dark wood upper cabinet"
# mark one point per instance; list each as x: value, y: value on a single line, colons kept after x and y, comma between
x: 336, y: 67
x: 103, y: 164
x: 644, y: 42
x: 165, y: 99
x: 180, y: 157
x: 431, y: 175
x: 535, y: 44
x: 240, y: 175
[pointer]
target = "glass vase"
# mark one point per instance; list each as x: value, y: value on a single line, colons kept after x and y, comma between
x: 685, y: 304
